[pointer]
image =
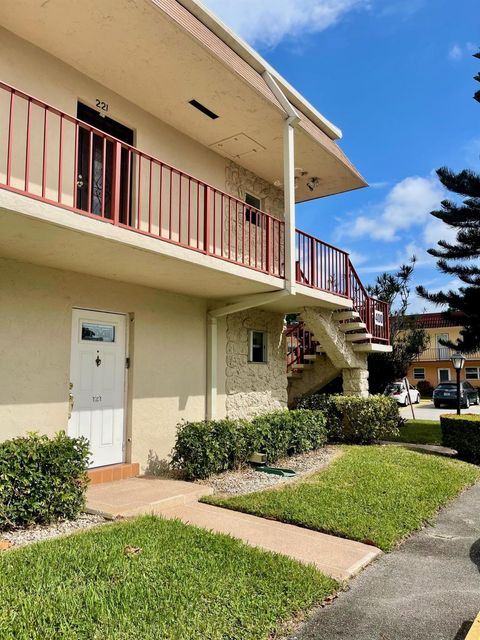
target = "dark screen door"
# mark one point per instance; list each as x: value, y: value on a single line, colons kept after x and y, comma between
x: 95, y: 165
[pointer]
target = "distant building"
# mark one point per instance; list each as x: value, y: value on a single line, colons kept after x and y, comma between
x: 434, y: 365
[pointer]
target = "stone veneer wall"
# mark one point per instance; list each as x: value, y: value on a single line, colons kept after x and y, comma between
x: 238, y: 181
x: 254, y: 388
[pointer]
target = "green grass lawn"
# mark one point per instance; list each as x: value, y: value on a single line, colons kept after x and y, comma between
x: 420, y: 432
x: 373, y: 494
x: 186, y: 583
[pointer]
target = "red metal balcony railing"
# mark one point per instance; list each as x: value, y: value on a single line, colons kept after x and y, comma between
x: 300, y: 344
x: 58, y: 159
x: 61, y: 160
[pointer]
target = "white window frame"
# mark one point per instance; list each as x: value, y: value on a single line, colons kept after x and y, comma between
x: 422, y: 369
x: 477, y: 371
x: 264, y: 345
x: 444, y: 369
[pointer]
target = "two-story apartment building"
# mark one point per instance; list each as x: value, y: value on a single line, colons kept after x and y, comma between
x: 434, y: 364
x: 150, y: 167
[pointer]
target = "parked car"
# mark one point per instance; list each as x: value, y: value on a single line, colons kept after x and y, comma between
x: 446, y: 393
x: 398, y: 390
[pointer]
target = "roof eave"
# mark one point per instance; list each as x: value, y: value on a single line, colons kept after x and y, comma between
x: 255, y: 60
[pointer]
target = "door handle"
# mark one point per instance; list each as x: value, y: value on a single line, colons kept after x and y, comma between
x: 71, y: 401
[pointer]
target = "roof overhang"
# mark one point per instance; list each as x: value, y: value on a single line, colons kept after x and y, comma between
x: 160, y: 54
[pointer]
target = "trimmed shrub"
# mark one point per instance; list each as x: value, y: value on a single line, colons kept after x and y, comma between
x: 462, y: 433
x: 284, y: 433
x: 364, y: 420
x: 207, y: 447
x: 204, y: 448
x: 356, y: 420
x: 42, y: 479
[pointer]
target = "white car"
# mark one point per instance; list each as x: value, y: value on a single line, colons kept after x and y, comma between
x: 398, y: 390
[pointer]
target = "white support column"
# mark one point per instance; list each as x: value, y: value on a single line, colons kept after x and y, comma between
x: 212, y: 350
x: 291, y: 120
x: 289, y: 200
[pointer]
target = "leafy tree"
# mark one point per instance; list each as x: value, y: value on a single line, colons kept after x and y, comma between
x: 460, y: 258
x: 407, y: 339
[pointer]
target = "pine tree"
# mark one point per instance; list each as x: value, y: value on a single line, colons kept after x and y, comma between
x: 461, y: 258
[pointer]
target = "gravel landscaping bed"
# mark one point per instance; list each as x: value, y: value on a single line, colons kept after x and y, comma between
x: 20, y: 537
x: 242, y: 481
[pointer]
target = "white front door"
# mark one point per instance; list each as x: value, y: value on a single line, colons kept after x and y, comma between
x: 97, y: 376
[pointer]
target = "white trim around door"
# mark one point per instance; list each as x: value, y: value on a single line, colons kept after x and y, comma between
x: 98, y: 383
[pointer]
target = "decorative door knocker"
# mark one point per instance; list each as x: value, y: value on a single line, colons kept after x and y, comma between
x: 98, y: 360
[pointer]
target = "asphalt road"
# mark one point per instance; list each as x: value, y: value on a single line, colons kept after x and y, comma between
x: 428, y: 589
x: 426, y: 411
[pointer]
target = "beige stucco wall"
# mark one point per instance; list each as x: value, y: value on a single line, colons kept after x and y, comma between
x: 239, y: 181
x: 254, y: 388
x: 34, y: 71
x: 168, y: 349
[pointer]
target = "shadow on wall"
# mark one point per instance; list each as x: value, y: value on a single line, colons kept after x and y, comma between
x: 160, y: 467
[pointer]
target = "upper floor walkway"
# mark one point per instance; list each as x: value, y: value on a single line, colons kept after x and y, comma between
x: 69, y: 164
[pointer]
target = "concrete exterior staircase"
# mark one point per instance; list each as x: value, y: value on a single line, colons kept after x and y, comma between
x: 326, y: 344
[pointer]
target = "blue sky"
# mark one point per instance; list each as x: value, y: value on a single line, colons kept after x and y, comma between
x: 396, y: 77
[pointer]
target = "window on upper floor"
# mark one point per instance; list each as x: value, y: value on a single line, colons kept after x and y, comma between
x: 251, y: 215
x: 472, y: 373
x: 419, y: 373
x: 257, y: 346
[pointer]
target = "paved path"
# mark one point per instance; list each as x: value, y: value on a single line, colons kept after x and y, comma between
x: 428, y: 589
x: 426, y: 411
x: 334, y: 556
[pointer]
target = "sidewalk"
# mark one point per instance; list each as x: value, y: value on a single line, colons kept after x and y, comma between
x: 429, y: 588
x: 336, y: 557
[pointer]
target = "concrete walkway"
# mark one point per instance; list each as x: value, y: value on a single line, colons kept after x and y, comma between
x: 335, y: 557
x: 429, y: 588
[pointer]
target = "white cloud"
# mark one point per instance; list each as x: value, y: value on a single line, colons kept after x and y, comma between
x: 458, y: 51
x: 406, y: 205
x: 455, y: 52
x: 263, y: 22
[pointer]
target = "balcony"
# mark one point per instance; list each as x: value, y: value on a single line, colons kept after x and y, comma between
x: 444, y: 353
x: 60, y: 160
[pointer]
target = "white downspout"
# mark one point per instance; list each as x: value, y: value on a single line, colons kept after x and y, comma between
x: 291, y: 121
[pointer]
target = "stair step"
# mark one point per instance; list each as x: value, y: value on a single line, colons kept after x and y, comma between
x: 352, y: 326
x: 319, y: 349
x: 310, y: 356
x: 355, y: 337
x: 301, y: 367
x: 372, y: 347
x: 294, y: 374
x: 350, y: 314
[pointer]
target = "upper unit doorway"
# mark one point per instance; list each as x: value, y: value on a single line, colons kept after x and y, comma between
x: 95, y: 165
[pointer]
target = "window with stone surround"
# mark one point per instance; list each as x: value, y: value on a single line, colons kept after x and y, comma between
x: 257, y: 351
x: 250, y: 214
x: 472, y: 373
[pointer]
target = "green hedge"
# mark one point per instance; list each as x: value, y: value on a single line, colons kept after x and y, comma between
x: 462, y: 433
x: 211, y: 446
x: 41, y: 479
x: 356, y: 420
x: 284, y: 433
x: 207, y: 447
